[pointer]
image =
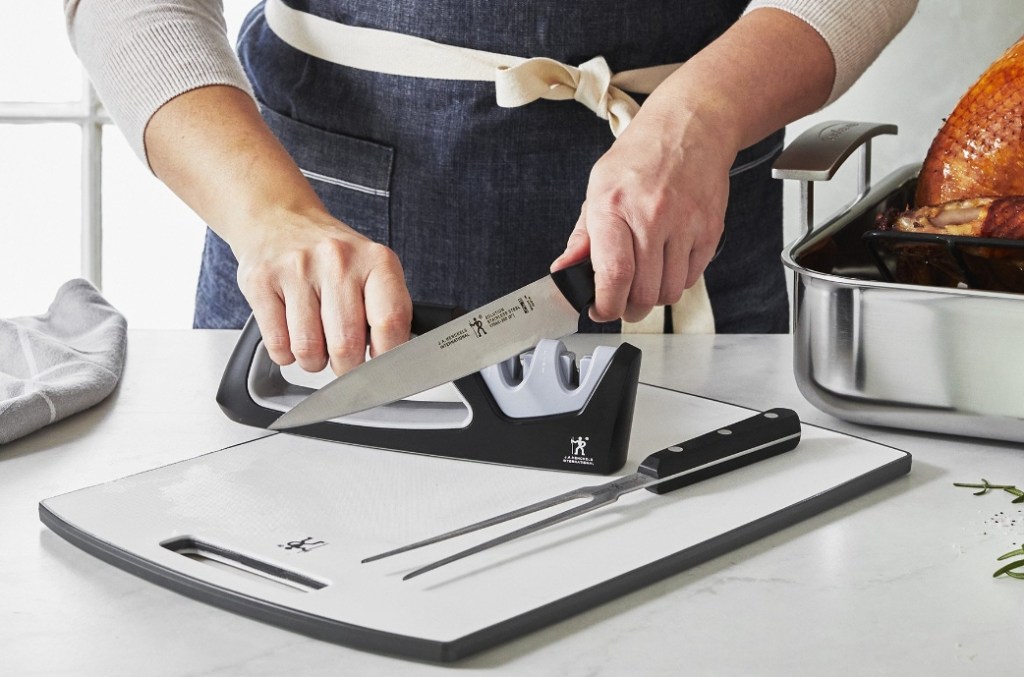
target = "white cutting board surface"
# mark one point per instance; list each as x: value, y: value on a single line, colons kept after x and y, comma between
x: 257, y: 497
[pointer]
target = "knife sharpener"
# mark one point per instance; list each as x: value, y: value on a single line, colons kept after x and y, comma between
x: 539, y: 409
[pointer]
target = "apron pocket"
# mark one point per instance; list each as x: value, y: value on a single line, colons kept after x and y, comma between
x: 351, y: 176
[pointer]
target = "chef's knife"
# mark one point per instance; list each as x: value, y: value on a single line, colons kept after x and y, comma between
x: 549, y: 308
x: 753, y: 439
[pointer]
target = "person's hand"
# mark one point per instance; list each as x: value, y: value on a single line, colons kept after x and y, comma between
x: 653, y: 215
x: 655, y: 204
x: 315, y: 286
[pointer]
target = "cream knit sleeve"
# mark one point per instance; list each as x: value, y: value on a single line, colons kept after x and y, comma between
x: 140, y: 54
x: 855, y: 30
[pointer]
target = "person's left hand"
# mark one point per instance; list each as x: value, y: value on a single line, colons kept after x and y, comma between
x: 653, y: 215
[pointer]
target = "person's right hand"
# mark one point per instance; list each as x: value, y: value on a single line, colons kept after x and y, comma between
x: 315, y: 286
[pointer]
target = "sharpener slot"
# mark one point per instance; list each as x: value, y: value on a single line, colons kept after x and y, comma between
x: 279, y: 389
x: 245, y: 566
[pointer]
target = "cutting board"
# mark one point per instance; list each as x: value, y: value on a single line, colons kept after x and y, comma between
x: 275, y: 529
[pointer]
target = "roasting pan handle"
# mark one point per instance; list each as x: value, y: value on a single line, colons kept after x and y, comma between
x: 818, y: 153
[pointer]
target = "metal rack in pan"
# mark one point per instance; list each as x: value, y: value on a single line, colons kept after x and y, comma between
x: 991, y: 264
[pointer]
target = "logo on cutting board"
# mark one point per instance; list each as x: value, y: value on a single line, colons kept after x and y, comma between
x: 303, y: 545
x: 578, y: 452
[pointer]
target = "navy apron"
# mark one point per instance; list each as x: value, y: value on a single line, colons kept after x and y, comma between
x: 475, y: 199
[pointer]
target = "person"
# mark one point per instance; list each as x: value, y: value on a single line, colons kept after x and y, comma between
x: 357, y: 155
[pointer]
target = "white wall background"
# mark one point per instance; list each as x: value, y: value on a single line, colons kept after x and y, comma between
x: 152, y: 242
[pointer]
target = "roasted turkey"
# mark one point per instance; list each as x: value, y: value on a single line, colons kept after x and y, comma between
x: 971, y: 184
x: 976, y: 158
x: 979, y: 152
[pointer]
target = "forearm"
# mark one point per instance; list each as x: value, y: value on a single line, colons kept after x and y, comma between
x: 856, y: 31
x: 140, y: 54
x: 768, y: 69
x: 212, y: 148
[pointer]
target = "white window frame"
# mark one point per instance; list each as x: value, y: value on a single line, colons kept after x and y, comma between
x: 88, y: 113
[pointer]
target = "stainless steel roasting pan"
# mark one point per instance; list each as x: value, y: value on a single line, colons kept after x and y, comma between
x: 871, y: 351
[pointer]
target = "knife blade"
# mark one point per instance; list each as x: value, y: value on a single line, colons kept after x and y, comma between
x: 549, y: 308
x: 767, y: 434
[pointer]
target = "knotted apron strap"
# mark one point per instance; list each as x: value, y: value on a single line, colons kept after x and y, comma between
x: 518, y: 81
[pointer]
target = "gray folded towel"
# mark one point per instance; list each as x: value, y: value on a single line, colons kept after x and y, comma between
x: 59, y: 363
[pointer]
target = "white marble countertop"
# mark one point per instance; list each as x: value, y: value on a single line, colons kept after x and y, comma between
x: 895, y: 582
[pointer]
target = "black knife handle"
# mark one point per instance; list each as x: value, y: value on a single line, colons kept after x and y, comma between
x: 753, y: 439
x: 577, y: 284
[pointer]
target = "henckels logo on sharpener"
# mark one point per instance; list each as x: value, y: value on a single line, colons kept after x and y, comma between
x: 578, y: 452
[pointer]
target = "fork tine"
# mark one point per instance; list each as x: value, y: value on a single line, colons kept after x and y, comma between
x: 595, y: 502
x: 582, y: 492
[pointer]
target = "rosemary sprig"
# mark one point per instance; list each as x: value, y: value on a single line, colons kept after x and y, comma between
x: 986, y: 487
x: 1009, y: 569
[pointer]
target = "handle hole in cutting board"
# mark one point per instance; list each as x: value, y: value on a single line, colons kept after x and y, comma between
x: 238, y: 564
